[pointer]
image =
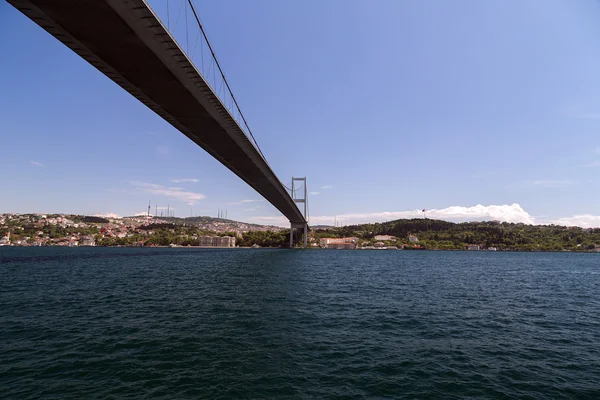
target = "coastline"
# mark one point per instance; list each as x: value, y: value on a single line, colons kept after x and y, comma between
x: 302, y: 248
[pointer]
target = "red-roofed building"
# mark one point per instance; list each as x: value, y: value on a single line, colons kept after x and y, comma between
x: 349, y: 243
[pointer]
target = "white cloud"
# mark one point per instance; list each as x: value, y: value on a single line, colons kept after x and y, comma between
x: 582, y: 220
x: 314, y: 193
x: 246, y: 201
x: 553, y: 183
x: 597, y: 149
x: 507, y: 213
x: 36, y: 163
x: 185, y: 180
x: 109, y: 215
x: 176, y: 193
x: 326, y: 187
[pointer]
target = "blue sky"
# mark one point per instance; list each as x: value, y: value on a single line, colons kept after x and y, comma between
x: 387, y: 107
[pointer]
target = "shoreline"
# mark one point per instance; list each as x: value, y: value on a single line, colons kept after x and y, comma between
x: 300, y: 248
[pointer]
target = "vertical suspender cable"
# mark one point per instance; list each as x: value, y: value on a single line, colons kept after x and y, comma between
x: 177, y: 19
x: 233, y: 99
x: 224, y: 79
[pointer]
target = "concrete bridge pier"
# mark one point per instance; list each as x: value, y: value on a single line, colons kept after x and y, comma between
x: 298, y: 228
x: 297, y: 199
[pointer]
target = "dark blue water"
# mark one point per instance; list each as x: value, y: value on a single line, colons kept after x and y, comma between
x: 257, y: 324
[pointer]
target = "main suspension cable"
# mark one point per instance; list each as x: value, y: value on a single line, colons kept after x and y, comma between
x: 225, y: 79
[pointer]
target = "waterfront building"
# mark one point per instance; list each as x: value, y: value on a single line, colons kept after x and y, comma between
x: 216, y: 241
x: 5, y: 240
x: 88, y: 241
x: 348, y: 243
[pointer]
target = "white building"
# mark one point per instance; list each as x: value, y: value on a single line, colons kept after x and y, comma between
x: 384, y: 237
x: 5, y: 240
x: 339, y: 243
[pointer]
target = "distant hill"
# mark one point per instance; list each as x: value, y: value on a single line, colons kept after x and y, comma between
x: 190, y: 220
x: 205, y: 220
x: 89, y: 219
x: 321, y: 226
x: 436, y: 234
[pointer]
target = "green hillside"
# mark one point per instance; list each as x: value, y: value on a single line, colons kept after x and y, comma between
x: 436, y: 234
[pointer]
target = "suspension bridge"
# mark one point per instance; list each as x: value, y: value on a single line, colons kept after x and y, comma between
x: 128, y: 42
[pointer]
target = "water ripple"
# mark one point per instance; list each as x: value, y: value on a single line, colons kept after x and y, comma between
x: 188, y: 323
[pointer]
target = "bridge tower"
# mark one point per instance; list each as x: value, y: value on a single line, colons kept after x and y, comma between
x: 298, y: 199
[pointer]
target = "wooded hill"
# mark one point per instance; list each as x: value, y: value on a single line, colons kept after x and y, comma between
x: 436, y: 234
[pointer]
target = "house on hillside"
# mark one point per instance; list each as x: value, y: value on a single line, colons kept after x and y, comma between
x: 88, y: 240
x: 5, y: 241
x: 382, y: 238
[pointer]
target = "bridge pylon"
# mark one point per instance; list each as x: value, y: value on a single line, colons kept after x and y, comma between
x: 297, y: 199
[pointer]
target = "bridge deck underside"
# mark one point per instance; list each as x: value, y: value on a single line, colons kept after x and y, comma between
x: 125, y: 41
